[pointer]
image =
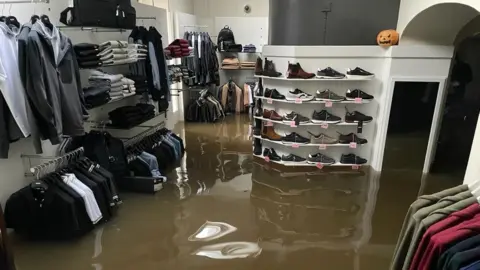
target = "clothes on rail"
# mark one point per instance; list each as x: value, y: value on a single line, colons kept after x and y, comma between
x: 440, y: 231
x: 235, y: 99
x: 205, y: 62
x: 205, y: 109
x: 64, y: 204
x: 131, y: 116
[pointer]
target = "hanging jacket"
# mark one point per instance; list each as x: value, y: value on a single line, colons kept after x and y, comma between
x: 53, y: 85
x: 231, y: 97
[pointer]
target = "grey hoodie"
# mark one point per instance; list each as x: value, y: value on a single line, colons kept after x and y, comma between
x: 53, y: 87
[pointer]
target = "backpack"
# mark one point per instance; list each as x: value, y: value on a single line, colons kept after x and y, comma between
x: 225, y: 38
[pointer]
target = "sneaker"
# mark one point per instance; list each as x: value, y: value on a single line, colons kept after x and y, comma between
x: 359, y: 74
x: 357, y: 93
x: 295, y: 138
x: 273, y: 94
x: 329, y: 73
x: 295, y: 71
x: 356, y: 117
x: 351, y: 138
x: 270, y: 70
x: 322, y: 139
x: 298, y: 94
x: 328, y: 95
x: 320, y: 158
x: 325, y: 117
x: 293, y: 158
x: 352, y: 159
x: 293, y: 117
x: 273, y: 155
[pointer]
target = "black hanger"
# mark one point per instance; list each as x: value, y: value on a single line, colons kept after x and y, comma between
x: 3, y: 18
x: 12, y: 20
x: 46, y: 21
x: 34, y: 18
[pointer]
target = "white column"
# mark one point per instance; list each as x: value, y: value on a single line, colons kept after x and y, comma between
x: 473, y: 168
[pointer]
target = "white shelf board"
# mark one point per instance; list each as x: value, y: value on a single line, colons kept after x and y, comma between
x: 296, y: 164
x: 304, y: 145
x: 283, y: 78
x: 308, y: 124
x: 312, y: 101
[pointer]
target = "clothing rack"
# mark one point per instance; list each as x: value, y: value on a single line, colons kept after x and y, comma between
x: 91, y: 29
x: 195, y: 26
x: 50, y: 163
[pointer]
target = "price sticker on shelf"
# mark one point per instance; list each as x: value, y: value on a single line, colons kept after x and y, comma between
x: 329, y: 104
x: 295, y: 145
x: 298, y: 101
x: 268, y: 124
x: 322, y: 147
x: 319, y: 165
x: 267, y: 159
x: 353, y: 145
x: 358, y: 100
x: 292, y: 124
x: 355, y: 167
x: 324, y: 125
x: 269, y: 101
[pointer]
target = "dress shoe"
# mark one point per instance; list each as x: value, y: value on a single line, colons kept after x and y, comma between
x: 266, y: 152
x: 274, y: 156
x: 272, y: 115
x: 259, y: 66
x: 269, y: 133
x: 269, y: 70
x: 257, y: 147
x: 295, y: 71
x: 273, y: 94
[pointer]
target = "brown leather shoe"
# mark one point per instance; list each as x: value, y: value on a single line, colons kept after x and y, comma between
x: 269, y: 133
x: 259, y: 66
x: 272, y: 115
x: 295, y: 71
x: 267, y: 113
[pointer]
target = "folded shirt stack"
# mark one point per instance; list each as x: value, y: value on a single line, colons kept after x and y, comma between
x: 247, y: 65
x: 131, y: 116
x: 179, y: 48
x: 87, y: 55
x: 96, y: 96
x: 250, y: 48
x: 230, y: 63
x: 120, y: 52
x: 140, y: 83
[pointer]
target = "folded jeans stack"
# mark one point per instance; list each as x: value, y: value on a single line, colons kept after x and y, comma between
x: 96, y: 96
x: 87, y: 55
x: 120, y: 52
x: 131, y: 116
x: 250, y: 48
x: 179, y: 48
x: 230, y: 63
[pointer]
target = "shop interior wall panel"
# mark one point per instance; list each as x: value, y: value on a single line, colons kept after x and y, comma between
x: 247, y: 30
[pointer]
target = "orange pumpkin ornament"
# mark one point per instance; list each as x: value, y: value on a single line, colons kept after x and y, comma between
x: 387, y: 38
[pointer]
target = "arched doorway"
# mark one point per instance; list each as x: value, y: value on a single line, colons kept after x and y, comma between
x: 458, y: 25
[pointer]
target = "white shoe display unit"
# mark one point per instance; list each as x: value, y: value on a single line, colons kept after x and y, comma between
x: 311, y: 59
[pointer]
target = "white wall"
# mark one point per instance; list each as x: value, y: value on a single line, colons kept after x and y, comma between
x: 230, y: 8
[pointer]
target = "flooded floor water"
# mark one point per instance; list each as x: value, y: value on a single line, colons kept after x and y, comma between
x: 222, y: 209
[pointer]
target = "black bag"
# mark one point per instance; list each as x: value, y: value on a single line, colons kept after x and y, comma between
x: 233, y: 48
x: 225, y: 38
x: 100, y: 13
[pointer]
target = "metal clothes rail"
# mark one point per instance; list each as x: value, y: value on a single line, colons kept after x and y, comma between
x: 48, y: 164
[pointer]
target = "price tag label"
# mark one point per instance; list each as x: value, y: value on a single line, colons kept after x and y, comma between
x: 319, y: 165
x: 267, y: 159
x: 355, y: 167
x: 268, y: 124
x: 324, y: 125
x: 358, y: 101
x: 353, y: 145
x: 322, y: 147
x: 292, y: 124
x: 298, y: 101
x: 295, y: 145
x: 329, y: 104
x: 269, y: 101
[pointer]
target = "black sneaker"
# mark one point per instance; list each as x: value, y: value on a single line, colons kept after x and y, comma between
x: 298, y: 94
x: 273, y: 155
x: 295, y: 138
x: 328, y: 95
x: 351, y: 138
x: 273, y: 94
x: 357, y: 93
x: 359, y: 74
x: 266, y: 152
x: 329, y: 73
x: 320, y: 158
x: 352, y: 159
x: 325, y: 117
x: 293, y: 158
x: 356, y: 117
x: 295, y: 117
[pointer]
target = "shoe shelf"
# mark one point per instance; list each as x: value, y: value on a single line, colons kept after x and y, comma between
x: 294, y: 145
x: 307, y: 124
x: 282, y: 78
x: 306, y: 164
x: 271, y: 100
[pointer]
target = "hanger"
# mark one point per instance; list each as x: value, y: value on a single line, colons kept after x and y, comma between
x: 46, y: 21
x: 34, y: 17
x: 12, y: 20
x: 3, y: 18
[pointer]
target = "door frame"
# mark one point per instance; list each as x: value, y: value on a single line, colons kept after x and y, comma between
x: 436, y: 120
